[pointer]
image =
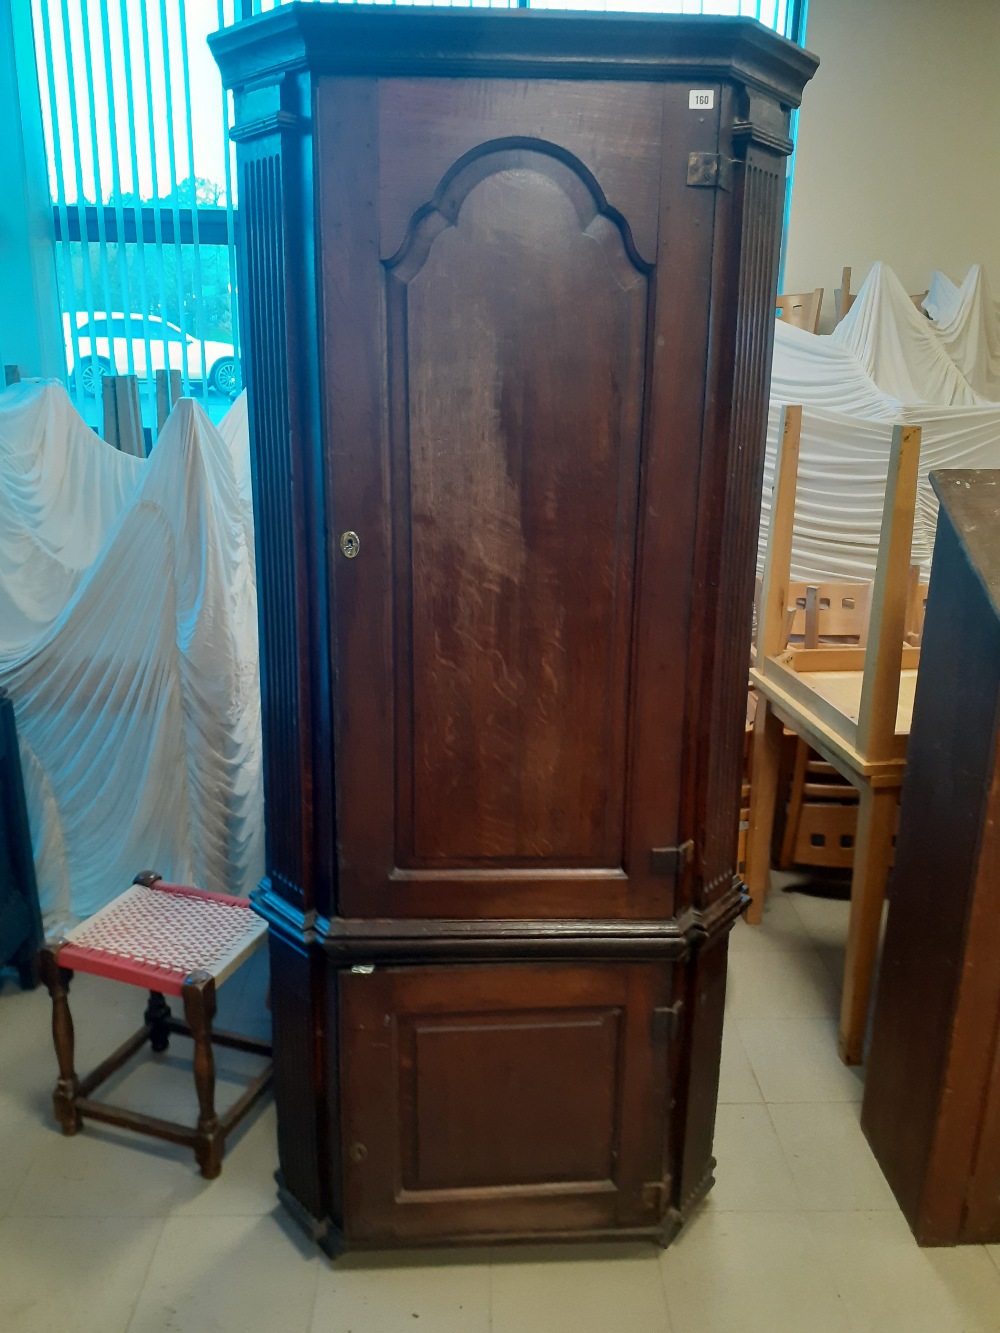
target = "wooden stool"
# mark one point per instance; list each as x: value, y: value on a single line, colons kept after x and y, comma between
x: 170, y: 940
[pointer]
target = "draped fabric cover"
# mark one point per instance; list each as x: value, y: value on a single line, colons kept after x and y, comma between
x: 128, y: 642
x: 885, y: 362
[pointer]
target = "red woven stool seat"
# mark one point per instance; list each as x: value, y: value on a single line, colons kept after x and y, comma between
x: 156, y: 935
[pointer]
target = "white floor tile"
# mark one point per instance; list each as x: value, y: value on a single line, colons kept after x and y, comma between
x: 246, y: 1187
x: 750, y: 1273
x: 795, y: 1060
x: 736, y: 1076
x: 227, y: 1275
x: 585, y: 1289
x: 890, y: 1285
x: 751, y: 1173
x: 825, y: 919
x: 432, y: 1292
x: 833, y: 1166
x: 781, y: 983
x: 58, y: 1275
x: 22, y: 1134
x: 105, y: 1172
x: 782, y: 928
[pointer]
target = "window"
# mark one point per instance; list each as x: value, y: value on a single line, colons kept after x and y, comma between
x: 143, y: 181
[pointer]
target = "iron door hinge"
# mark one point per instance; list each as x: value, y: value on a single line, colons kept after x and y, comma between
x: 666, y: 1021
x: 655, y: 1197
x: 670, y: 860
x: 710, y: 171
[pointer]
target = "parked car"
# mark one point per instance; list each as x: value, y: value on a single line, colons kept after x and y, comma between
x: 103, y: 342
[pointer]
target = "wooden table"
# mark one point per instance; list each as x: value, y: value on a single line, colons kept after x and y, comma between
x: 852, y: 705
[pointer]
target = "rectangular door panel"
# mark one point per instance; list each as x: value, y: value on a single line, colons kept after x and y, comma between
x: 516, y: 347
x: 501, y: 1098
x: 494, y: 316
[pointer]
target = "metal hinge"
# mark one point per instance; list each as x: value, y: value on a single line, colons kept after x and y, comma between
x: 655, y: 1196
x: 666, y: 1021
x: 710, y: 171
x: 670, y: 860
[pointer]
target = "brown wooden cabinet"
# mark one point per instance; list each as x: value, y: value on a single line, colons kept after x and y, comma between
x: 508, y: 297
x: 932, y: 1087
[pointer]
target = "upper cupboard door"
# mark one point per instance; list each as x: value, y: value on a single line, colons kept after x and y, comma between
x: 497, y: 373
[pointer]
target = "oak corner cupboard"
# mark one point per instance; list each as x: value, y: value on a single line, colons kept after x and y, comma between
x: 508, y: 297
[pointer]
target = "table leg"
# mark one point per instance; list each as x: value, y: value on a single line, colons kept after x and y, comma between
x: 872, y: 858
x: 764, y: 765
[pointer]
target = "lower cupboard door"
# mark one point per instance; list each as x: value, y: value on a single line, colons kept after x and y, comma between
x: 502, y: 1100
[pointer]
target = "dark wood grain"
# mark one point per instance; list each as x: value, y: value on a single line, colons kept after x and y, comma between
x: 517, y: 342
x: 520, y: 1098
x: 535, y: 389
x: 932, y: 1088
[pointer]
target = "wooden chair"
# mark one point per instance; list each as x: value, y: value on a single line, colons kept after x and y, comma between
x: 169, y: 940
x: 851, y: 704
x: 801, y: 310
x: 822, y: 811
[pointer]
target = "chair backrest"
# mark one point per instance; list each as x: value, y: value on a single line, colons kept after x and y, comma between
x: 801, y: 310
x: 842, y: 296
x: 836, y: 612
x: 823, y: 612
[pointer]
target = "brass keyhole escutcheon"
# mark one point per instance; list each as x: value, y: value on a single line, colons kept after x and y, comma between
x: 357, y: 1152
x: 350, y: 544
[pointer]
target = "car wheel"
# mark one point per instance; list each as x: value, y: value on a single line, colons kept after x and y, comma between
x: 225, y: 377
x: 94, y: 370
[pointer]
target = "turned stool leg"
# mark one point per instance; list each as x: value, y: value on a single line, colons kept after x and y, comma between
x: 156, y: 1016
x: 199, y: 1010
x: 57, y: 980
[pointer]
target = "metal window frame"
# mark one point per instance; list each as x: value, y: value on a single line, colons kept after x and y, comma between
x: 169, y: 225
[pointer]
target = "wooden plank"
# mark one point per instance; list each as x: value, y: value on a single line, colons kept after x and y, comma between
x: 847, y: 658
x: 833, y: 748
x: 168, y: 390
x: 839, y: 689
x: 795, y: 798
x: 883, y: 661
x: 122, y: 416
x: 772, y: 635
x: 835, y: 825
x: 843, y: 294
x: 763, y: 795
x: 872, y: 859
x: 811, y: 704
x: 126, y: 1118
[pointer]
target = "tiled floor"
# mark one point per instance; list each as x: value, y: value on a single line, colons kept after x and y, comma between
x: 105, y: 1233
